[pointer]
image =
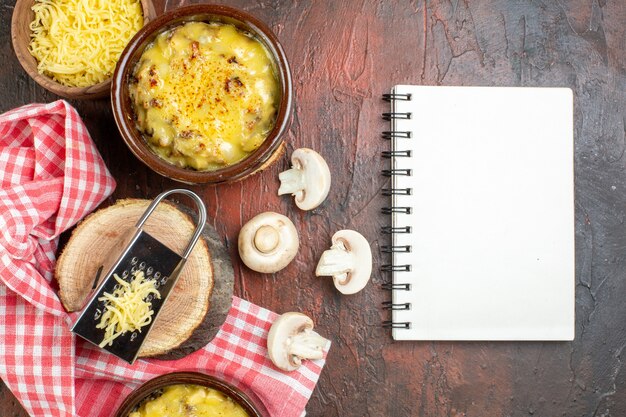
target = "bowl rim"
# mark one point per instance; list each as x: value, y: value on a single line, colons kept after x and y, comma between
x: 29, y: 63
x: 135, y: 139
x: 140, y: 393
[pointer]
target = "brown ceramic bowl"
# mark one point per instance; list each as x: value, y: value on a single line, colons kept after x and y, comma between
x: 20, y: 35
x: 135, y: 398
x: 124, y: 113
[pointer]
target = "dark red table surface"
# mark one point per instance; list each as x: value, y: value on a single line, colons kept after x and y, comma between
x: 344, y: 55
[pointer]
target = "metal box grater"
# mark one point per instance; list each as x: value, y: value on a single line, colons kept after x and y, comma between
x: 142, y: 252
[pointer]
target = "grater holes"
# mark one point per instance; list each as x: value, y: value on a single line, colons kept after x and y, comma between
x: 149, y: 298
x: 133, y: 269
x: 125, y: 273
x: 133, y: 336
x: 149, y: 270
x: 142, y: 266
x: 164, y: 280
x: 134, y: 260
x: 97, y: 314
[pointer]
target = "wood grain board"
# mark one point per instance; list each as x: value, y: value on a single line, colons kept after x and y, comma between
x: 221, y: 294
x: 344, y: 55
x: 99, y: 237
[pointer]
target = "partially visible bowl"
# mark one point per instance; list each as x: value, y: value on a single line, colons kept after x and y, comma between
x: 142, y: 393
x: 123, y: 111
x: 20, y: 36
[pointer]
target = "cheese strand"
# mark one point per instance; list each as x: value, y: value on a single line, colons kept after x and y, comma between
x: 127, y: 308
x: 78, y: 42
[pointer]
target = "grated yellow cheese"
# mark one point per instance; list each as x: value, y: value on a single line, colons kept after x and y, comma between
x: 126, y: 310
x: 78, y: 42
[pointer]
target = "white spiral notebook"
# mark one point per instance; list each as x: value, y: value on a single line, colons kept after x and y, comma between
x: 482, y: 206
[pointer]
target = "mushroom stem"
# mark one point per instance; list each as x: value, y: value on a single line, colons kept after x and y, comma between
x: 307, y: 345
x: 336, y: 262
x: 291, y: 182
x: 266, y: 239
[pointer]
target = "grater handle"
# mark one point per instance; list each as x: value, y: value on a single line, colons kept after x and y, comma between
x: 201, y: 215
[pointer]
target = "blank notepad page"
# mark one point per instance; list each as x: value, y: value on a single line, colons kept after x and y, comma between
x: 491, y: 242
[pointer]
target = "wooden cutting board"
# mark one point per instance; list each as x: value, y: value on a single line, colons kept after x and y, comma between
x: 202, y: 297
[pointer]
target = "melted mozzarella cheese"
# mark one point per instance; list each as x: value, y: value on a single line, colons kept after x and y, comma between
x: 205, y: 95
x: 190, y: 401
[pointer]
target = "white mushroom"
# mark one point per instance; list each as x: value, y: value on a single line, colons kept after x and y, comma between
x: 268, y: 242
x: 308, y: 180
x: 348, y: 261
x: 292, y: 339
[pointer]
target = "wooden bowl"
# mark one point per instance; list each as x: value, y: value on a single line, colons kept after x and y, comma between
x: 124, y: 113
x: 20, y: 35
x: 254, y: 409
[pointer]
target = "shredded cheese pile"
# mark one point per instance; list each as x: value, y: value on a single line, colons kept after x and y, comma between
x: 126, y: 310
x: 78, y: 42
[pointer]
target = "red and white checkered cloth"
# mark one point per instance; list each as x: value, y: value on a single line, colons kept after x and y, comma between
x: 51, y: 176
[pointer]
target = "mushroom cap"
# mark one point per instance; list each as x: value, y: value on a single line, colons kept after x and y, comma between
x: 358, y: 278
x: 316, y: 178
x: 268, y: 242
x: 282, y: 331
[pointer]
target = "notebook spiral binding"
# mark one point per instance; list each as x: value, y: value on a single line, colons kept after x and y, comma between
x: 388, y: 305
x: 396, y: 154
x: 388, y: 324
x: 388, y: 134
x: 398, y: 136
x: 390, y: 286
x: 391, y: 268
x: 392, y: 115
x: 396, y: 96
x: 389, y: 210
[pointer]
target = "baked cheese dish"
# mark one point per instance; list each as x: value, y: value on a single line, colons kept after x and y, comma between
x: 205, y: 95
x: 190, y: 401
